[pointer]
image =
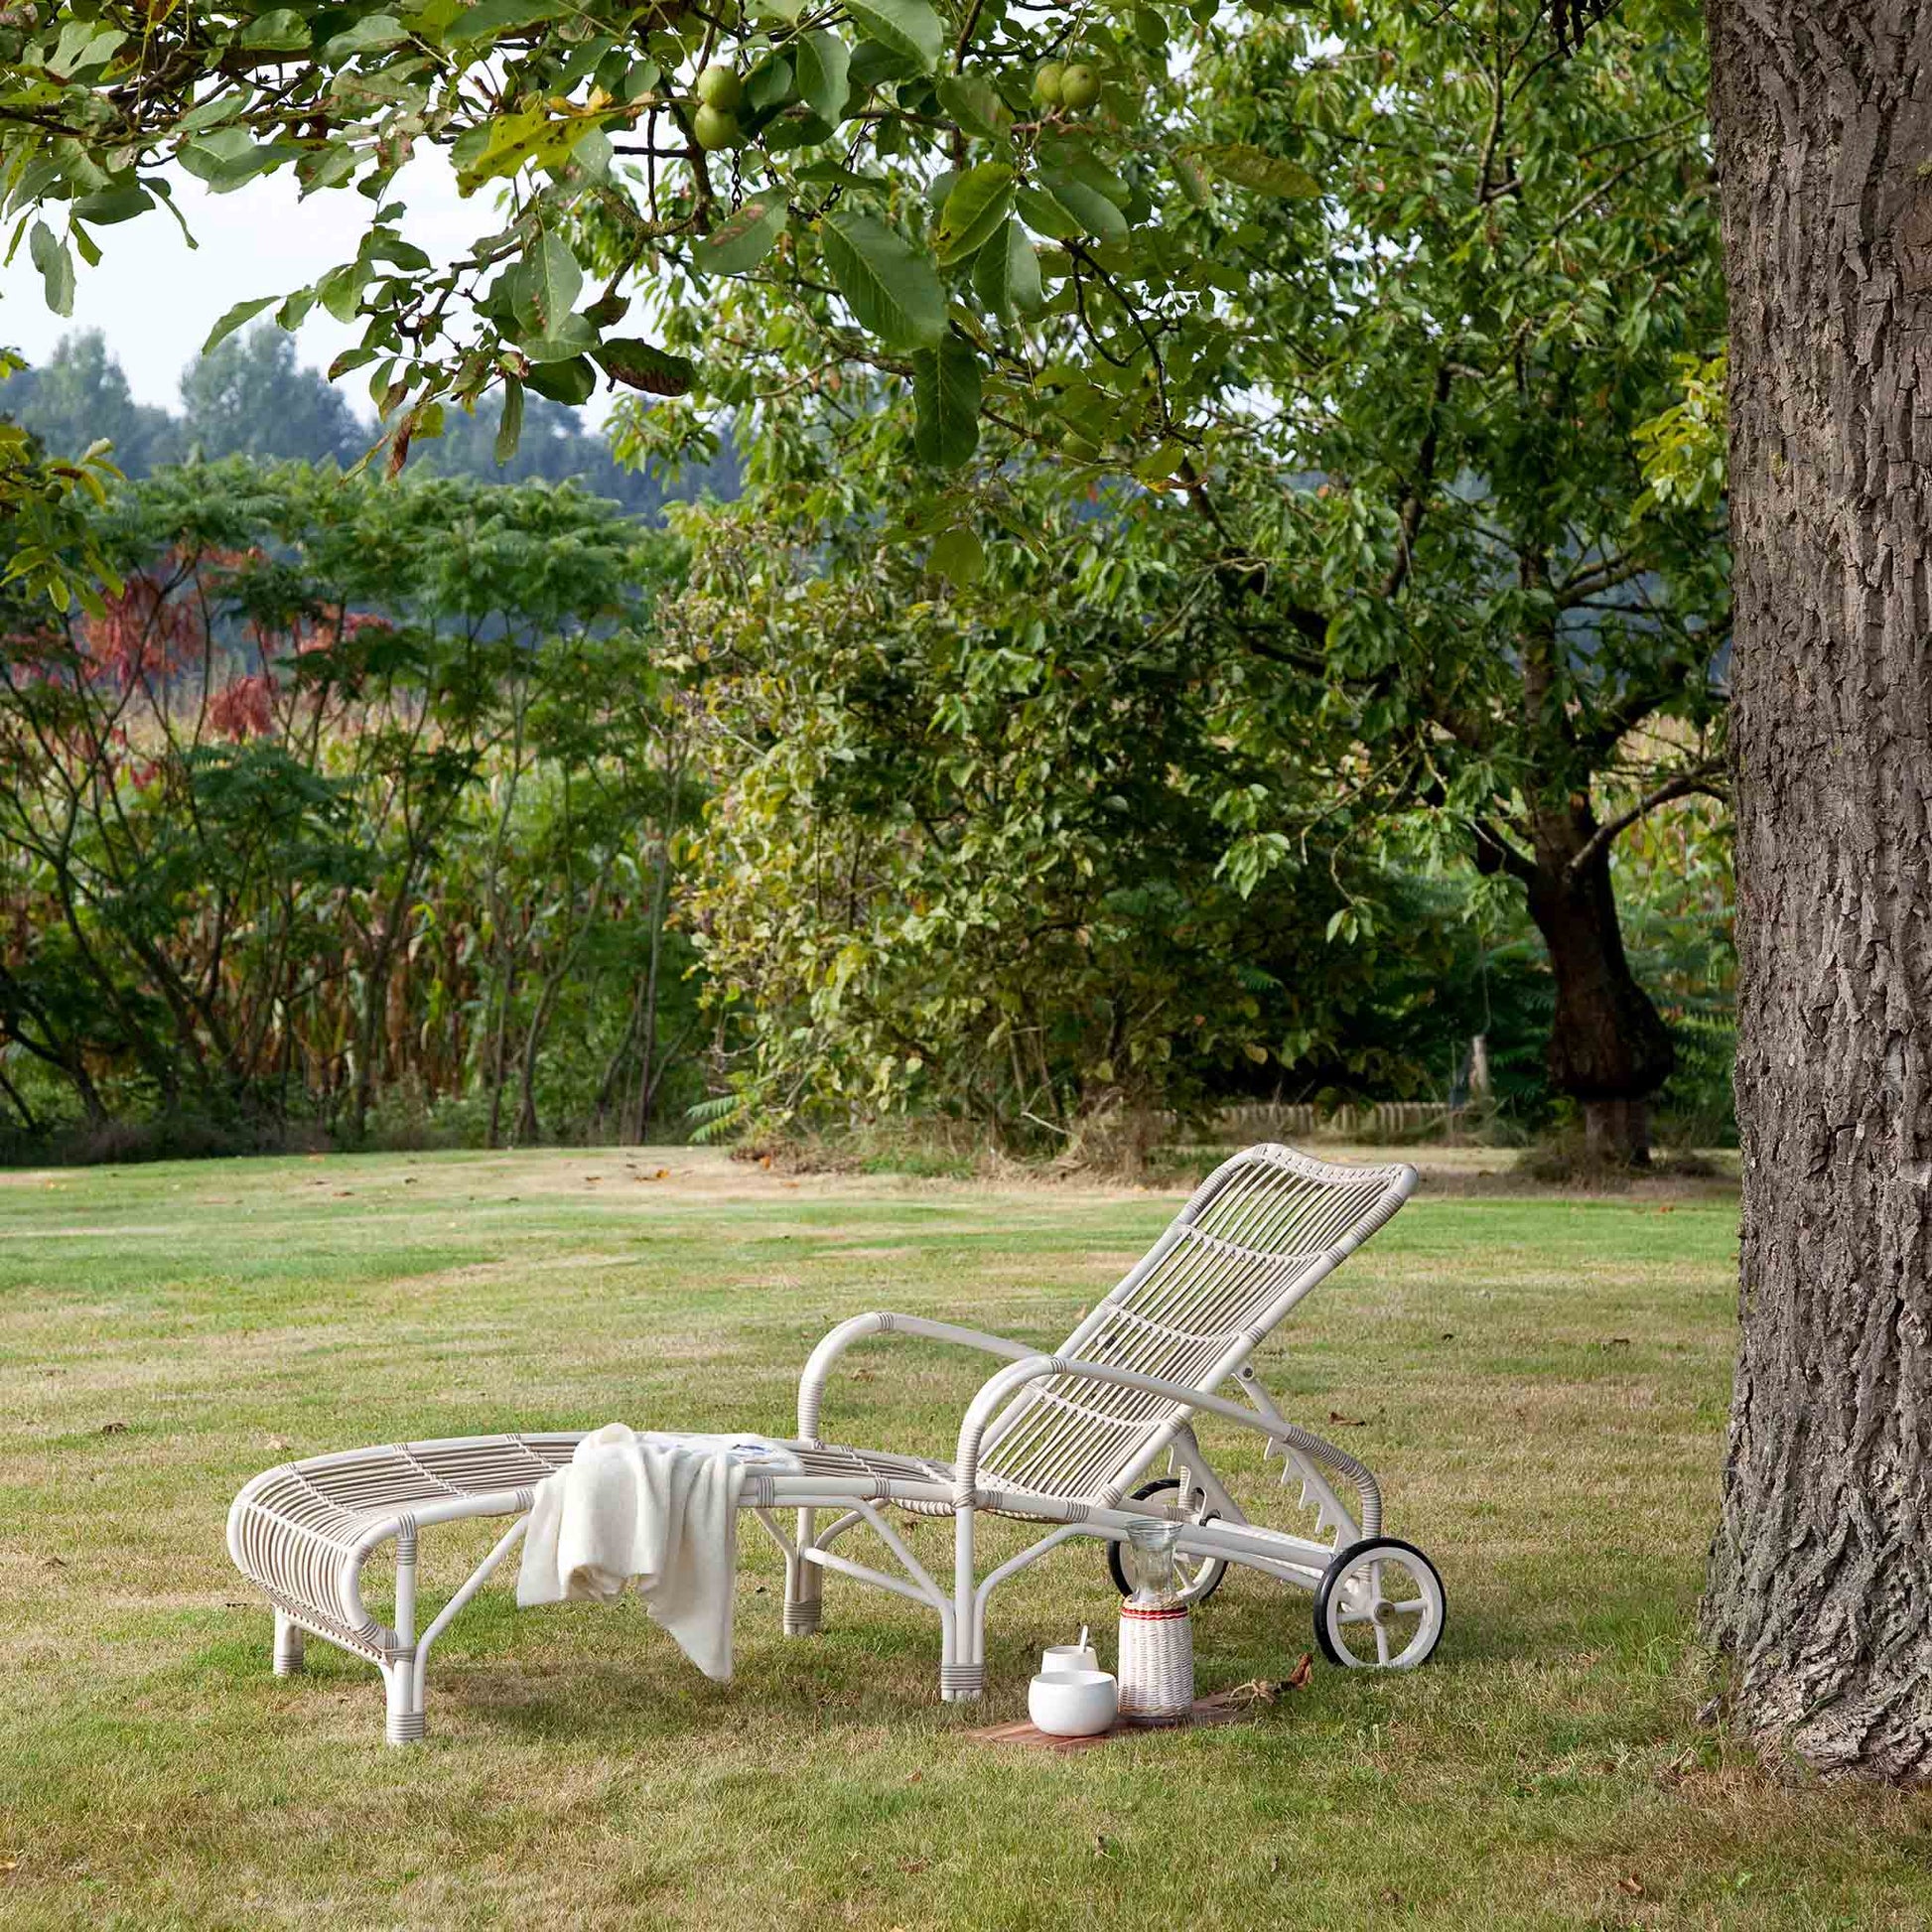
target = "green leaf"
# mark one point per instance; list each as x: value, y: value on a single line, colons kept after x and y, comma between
x: 976, y: 207
x: 890, y: 288
x: 946, y: 393
x: 1094, y: 211
x: 56, y: 265
x: 832, y: 174
x: 874, y: 66
x: 824, y: 68
x: 229, y: 158
x: 642, y: 365
x: 222, y: 147
x: 906, y: 27
x: 491, y: 17
x: 370, y: 35
x: 341, y: 290
x: 1194, y: 182
x: 281, y: 29
x: 229, y: 323
x: 72, y: 44
x: 974, y: 105
x: 552, y: 283
x: 1045, y: 214
x: 212, y: 113
x: 327, y: 167
x: 798, y: 127
x: 1083, y: 167
x: 1006, y: 273
x: 958, y: 556
x: 510, y: 141
x: 573, y: 383
x: 770, y: 84
x: 1265, y: 173
x: 743, y: 239
x: 592, y: 154
x: 1159, y: 465
x: 84, y: 45
x: 384, y: 246
x: 573, y: 336
x: 113, y: 205
x: 509, y: 432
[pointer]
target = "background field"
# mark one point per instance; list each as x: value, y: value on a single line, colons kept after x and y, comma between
x: 1541, y: 1383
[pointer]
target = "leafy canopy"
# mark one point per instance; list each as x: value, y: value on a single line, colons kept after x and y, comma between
x: 1442, y: 550
x: 886, y: 166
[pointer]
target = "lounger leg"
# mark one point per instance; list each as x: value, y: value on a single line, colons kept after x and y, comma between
x: 405, y: 1724
x: 804, y: 1584
x: 400, y: 1677
x: 289, y: 1638
x: 962, y: 1658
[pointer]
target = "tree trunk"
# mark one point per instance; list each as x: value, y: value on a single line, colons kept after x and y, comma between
x: 647, y: 1072
x: 1821, y: 1572
x: 1609, y: 1049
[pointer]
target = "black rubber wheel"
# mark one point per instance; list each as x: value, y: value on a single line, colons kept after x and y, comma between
x: 1213, y: 1570
x: 1433, y: 1622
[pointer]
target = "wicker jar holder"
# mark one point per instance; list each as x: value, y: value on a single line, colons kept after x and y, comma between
x: 1157, y: 1664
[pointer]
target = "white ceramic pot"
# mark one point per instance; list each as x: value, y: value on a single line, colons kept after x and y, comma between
x: 1072, y: 1702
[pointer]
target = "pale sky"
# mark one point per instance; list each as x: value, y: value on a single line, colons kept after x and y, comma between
x: 155, y: 301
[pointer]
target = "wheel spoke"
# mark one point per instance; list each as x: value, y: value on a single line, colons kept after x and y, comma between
x: 1417, y: 1608
x: 1381, y: 1644
x: 1356, y: 1617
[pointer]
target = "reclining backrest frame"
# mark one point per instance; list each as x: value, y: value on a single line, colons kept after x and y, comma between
x: 1262, y: 1231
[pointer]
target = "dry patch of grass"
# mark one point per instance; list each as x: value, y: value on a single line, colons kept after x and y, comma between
x: 1541, y: 1383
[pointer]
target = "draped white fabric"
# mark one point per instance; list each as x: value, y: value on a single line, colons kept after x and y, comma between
x: 657, y: 1511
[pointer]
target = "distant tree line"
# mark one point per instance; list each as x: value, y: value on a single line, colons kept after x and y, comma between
x: 354, y: 808
x: 249, y: 396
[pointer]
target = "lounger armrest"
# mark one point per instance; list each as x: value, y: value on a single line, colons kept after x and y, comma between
x: 1001, y: 1388
x: 811, y: 1385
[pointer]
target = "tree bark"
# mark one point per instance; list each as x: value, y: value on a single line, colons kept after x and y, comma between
x: 1820, y: 1573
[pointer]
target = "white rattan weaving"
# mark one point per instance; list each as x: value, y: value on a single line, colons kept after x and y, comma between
x: 1059, y: 1439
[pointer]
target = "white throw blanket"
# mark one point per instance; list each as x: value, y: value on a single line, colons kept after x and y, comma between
x: 659, y: 1509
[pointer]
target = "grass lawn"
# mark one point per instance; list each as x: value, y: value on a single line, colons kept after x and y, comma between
x: 1539, y: 1382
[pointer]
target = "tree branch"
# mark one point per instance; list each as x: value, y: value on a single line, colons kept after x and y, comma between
x: 1495, y: 852
x: 1415, y: 506
x: 1588, y: 579
x: 1683, y: 785
x: 1239, y: 574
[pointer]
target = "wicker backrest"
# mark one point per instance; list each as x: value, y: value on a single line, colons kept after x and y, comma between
x: 1258, y: 1234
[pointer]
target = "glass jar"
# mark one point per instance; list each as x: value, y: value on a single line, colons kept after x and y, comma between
x: 1148, y: 1557
x: 1157, y: 1630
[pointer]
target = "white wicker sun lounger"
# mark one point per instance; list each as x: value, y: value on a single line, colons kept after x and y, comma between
x: 1059, y: 1439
